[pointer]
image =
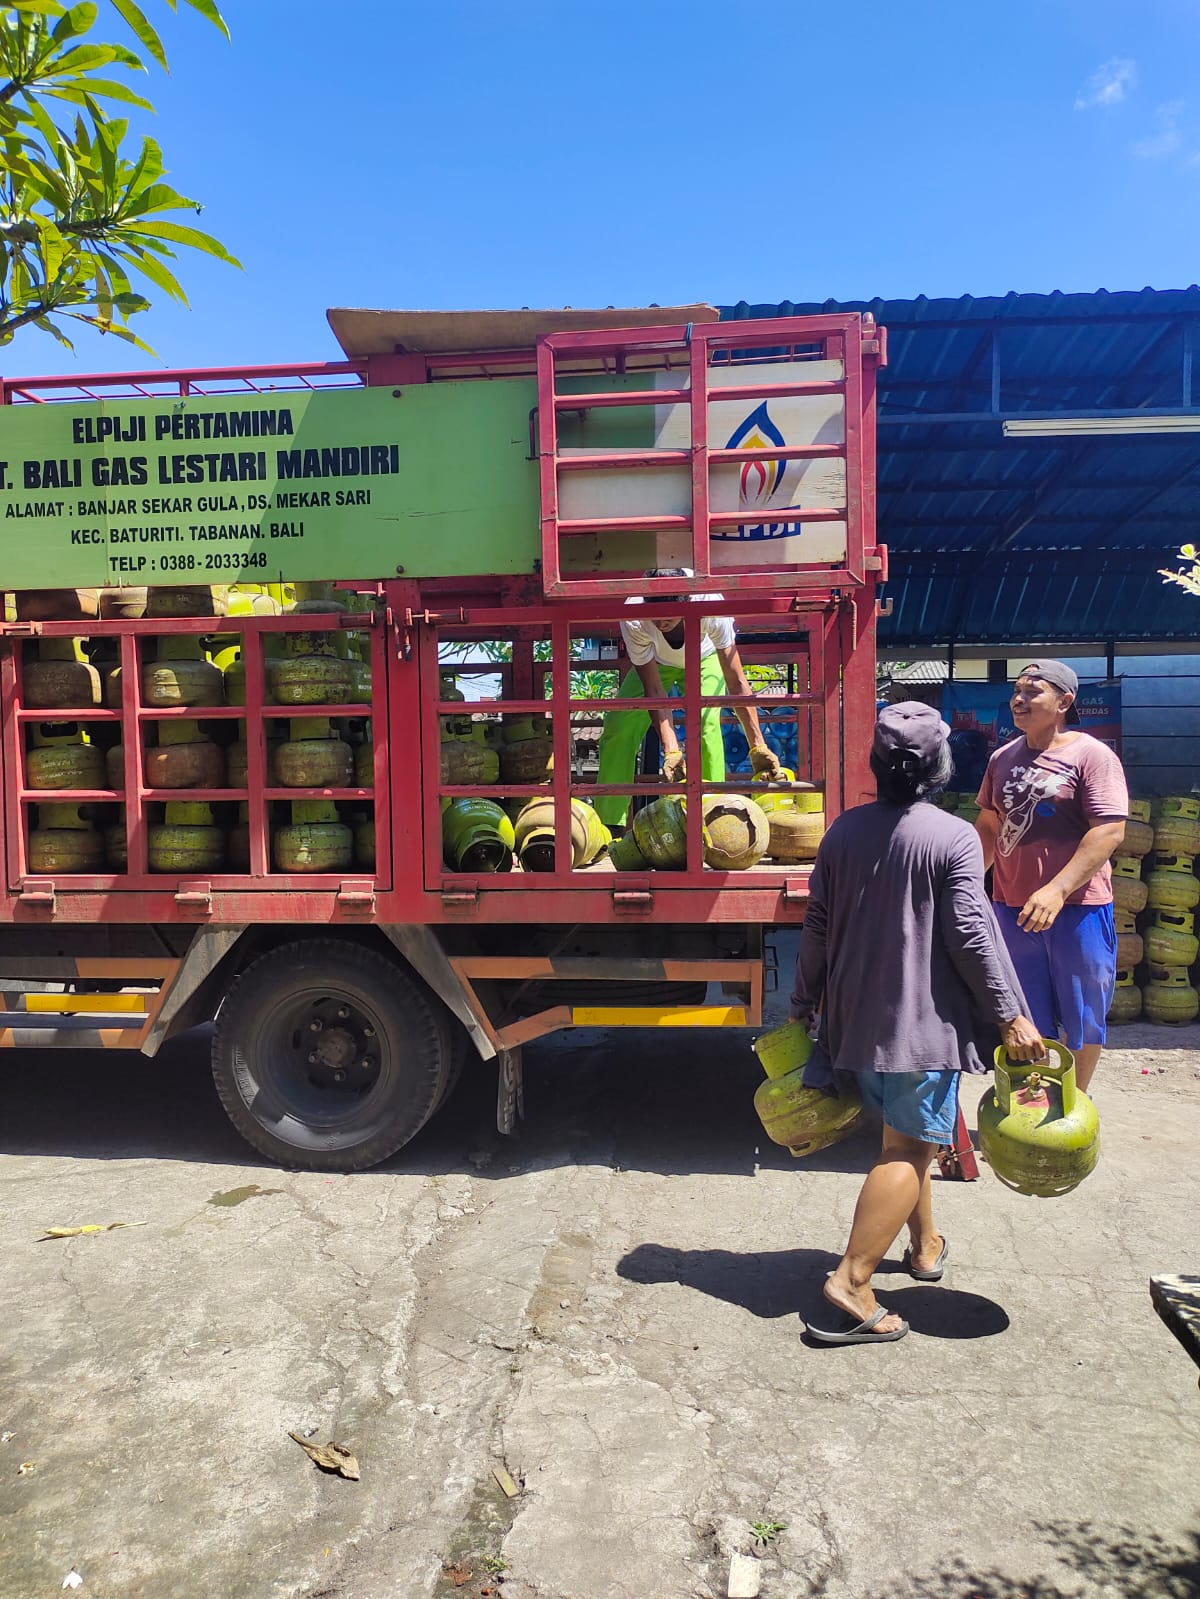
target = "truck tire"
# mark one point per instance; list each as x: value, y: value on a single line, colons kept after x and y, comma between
x: 461, y: 1051
x: 328, y: 1056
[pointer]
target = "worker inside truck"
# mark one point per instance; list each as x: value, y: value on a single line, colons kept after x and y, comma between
x: 655, y: 650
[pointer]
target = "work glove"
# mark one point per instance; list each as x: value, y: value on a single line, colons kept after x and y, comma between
x: 674, y: 770
x: 764, y: 762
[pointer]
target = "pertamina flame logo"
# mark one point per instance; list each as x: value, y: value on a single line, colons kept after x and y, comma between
x: 760, y: 480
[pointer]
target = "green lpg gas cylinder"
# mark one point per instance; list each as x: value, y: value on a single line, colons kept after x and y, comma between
x: 625, y: 855
x: 1177, y: 825
x: 660, y: 833
x: 453, y: 726
x: 1169, y: 998
x: 802, y: 1119
x: 534, y: 834
x: 1172, y: 884
x: 1037, y: 1131
x: 1138, y: 840
x: 466, y: 760
x: 1171, y: 940
x: 772, y: 802
x: 1130, y: 947
x: 477, y: 836
x: 1128, y: 891
x: 1127, y: 999
x: 736, y: 832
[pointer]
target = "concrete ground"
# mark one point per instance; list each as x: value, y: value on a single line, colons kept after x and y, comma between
x: 606, y: 1308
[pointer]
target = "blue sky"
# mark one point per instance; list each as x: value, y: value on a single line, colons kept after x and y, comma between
x: 468, y: 153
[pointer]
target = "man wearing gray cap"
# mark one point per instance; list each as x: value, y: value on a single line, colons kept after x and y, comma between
x: 1052, y: 810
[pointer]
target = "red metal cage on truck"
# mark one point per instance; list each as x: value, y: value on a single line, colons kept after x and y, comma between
x: 348, y: 993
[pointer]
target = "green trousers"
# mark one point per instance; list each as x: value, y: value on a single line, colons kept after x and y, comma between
x: 624, y: 731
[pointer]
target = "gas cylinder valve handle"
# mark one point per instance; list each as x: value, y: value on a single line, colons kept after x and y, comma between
x: 1060, y: 1068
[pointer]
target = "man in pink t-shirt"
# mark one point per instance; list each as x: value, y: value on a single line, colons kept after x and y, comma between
x: 1052, y: 810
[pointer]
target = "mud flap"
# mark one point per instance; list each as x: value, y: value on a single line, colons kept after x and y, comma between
x: 510, y: 1090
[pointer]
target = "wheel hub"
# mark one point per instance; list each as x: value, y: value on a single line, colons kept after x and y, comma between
x: 337, y: 1047
x: 335, y: 1040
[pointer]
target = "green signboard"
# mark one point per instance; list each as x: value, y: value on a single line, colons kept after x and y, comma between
x: 431, y: 480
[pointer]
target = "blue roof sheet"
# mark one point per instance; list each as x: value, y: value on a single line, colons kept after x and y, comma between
x: 1032, y: 540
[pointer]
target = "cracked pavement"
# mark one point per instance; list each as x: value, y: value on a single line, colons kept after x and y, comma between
x: 605, y: 1306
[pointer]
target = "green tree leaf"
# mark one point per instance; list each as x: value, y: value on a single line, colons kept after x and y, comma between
x: 150, y: 267
x: 47, y: 326
x: 108, y: 87
x: 74, y: 22
x: 192, y: 237
x: 87, y: 57
x: 115, y: 328
x: 206, y: 8
x: 54, y: 247
x: 83, y: 210
x: 146, y: 34
x: 156, y: 197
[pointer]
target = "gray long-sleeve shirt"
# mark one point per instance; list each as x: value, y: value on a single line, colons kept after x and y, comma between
x: 901, y: 945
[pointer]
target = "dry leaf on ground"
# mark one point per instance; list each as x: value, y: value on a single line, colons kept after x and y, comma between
x: 330, y: 1457
x: 78, y: 1232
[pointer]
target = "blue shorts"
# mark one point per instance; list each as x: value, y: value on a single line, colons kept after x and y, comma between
x: 920, y: 1105
x: 1068, y: 972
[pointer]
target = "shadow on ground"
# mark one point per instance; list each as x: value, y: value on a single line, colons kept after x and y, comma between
x: 1116, y: 1562
x: 636, y: 1100
x: 788, y: 1282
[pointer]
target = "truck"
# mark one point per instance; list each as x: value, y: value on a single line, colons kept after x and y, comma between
x: 268, y: 627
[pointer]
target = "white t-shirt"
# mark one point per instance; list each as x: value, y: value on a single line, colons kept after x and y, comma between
x: 644, y: 641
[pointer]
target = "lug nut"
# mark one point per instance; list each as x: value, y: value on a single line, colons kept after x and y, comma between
x: 312, y: 1057
x: 368, y: 1032
x: 315, y: 1025
x: 339, y: 1077
x: 343, y: 1012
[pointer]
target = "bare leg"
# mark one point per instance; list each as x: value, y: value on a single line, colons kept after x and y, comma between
x: 1087, y: 1058
x: 890, y: 1196
x: 925, y: 1241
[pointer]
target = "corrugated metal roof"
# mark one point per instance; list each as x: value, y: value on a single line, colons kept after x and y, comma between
x: 995, y: 539
x: 920, y: 672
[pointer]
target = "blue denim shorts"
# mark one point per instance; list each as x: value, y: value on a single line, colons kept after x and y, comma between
x: 1068, y: 973
x: 920, y: 1105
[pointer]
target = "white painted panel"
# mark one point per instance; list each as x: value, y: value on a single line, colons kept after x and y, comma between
x: 772, y: 487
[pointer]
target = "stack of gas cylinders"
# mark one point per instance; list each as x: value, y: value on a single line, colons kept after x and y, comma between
x: 186, y: 757
x: 484, y: 834
x: 1155, y: 895
x: 489, y: 832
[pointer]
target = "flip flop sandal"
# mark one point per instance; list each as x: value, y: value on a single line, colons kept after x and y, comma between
x: 934, y: 1274
x: 860, y: 1332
